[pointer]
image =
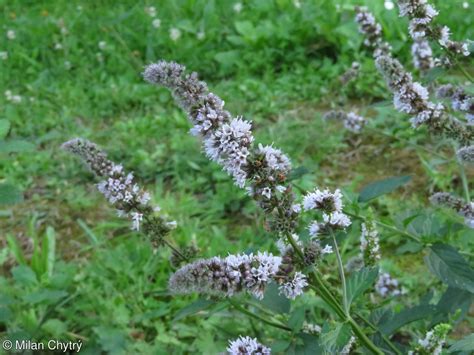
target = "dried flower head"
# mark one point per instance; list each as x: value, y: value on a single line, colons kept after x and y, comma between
x: 247, y: 346
x: 464, y: 209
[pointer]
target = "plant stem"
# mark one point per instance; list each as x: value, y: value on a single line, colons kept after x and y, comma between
x: 326, y: 295
x: 256, y: 316
x: 341, y: 274
x: 384, y: 337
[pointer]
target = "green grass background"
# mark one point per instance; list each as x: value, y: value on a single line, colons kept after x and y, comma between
x: 274, y: 63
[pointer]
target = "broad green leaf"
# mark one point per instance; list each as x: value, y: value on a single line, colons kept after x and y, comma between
x: 55, y: 327
x: 193, y: 308
x: 382, y: 187
x: 408, y: 315
x: 465, y: 344
x: 280, y: 346
x: 310, y: 345
x: 450, y: 267
x: 359, y: 282
x: 274, y: 301
x: 16, y: 146
x: 452, y: 301
x: 9, y: 195
x: 4, y: 128
x: 336, y: 337
x: 24, y: 275
x: 296, y: 320
x: 45, y: 295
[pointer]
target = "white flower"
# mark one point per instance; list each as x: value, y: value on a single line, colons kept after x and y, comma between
x: 297, y: 4
x: 327, y: 250
x: 465, y: 5
x: 200, y: 35
x: 11, y: 34
x: 247, y: 346
x: 237, y: 7
x: 323, y: 200
x: 16, y: 99
x: 175, y: 34
x: 337, y: 220
x: 136, y: 219
x: 314, y: 228
x: 151, y: 11
x: 389, y: 5
x: 156, y: 23
x: 102, y: 45
x: 58, y: 46
x: 172, y: 224
x: 3, y: 55
x: 293, y: 288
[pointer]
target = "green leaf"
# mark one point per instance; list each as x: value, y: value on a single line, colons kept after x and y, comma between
x: 24, y: 275
x: 452, y: 301
x: 360, y: 282
x: 55, y: 327
x: 382, y: 187
x: 297, y: 173
x: 450, y: 267
x: 274, y: 301
x: 465, y: 344
x: 4, y: 128
x: 297, y: 319
x: 310, y: 346
x: 49, y: 251
x: 16, y: 146
x: 16, y: 249
x: 45, y: 295
x: 193, y: 308
x: 9, y: 194
x: 336, y: 338
x: 89, y: 233
x: 408, y: 315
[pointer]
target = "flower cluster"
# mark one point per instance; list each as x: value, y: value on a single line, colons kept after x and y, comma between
x: 421, y: 15
x: 464, y: 209
x: 386, y: 286
x: 121, y: 190
x: 228, y: 276
x: 466, y: 154
x: 460, y: 100
x: 432, y: 343
x: 349, y: 347
x: 330, y: 204
x: 247, y: 346
x: 413, y: 98
x: 369, y: 243
x: 352, y: 121
x: 422, y: 55
x: 372, y: 31
x: 228, y: 141
x: 311, y: 328
x: 350, y: 74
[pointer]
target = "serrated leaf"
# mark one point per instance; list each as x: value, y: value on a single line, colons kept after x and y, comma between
x: 193, y: 308
x: 408, y: 315
x: 274, y: 301
x: 9, y: 195
x: 359, y: 282
x: 465, y: 344
x: 453, y: 299
x: 335, y: 338
x: 4, y: 128
x: 16, y: 146
x: 450, y: 267
x: 382, y: 187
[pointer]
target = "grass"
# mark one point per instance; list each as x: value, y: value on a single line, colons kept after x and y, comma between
x: 274, y: 63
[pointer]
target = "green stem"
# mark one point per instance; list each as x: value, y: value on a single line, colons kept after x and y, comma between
x: 384, y: 337
x: 363, y: 338
x: 341, y: 274
x: 256, y: 316
x: 462, y: 172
